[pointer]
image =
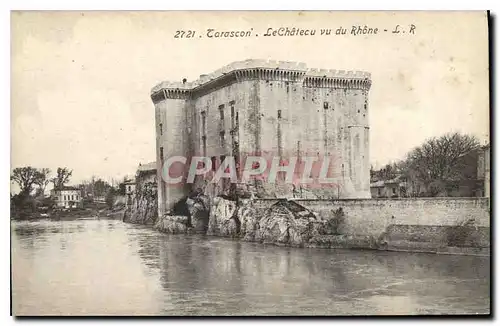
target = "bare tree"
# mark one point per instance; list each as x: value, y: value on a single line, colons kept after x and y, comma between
x: 388, y: 172
x: 43, y: 180
x: 25, y: 177
x: 441, y: 160
x: 62, y: 177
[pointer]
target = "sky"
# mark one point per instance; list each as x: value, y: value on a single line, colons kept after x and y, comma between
x: 81, y: 81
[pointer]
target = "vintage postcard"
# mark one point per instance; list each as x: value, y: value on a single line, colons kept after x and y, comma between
x: 233, y: 163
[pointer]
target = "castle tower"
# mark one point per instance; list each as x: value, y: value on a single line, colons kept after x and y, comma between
x: 172, y: 139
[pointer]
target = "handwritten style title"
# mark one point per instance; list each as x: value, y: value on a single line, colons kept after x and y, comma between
x: 287, y: 31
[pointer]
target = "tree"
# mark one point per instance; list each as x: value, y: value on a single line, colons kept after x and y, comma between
x: 388, y: 172
x: 42, y: 180
x: 110, y: 197
x: 96, y: 186
x: 122, y: 188
x: 442, y: 160
x: 25, y: 178
x: 63, y: 175
x: 101, y: 187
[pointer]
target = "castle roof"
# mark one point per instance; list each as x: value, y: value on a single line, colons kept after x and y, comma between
x: 272, y: 70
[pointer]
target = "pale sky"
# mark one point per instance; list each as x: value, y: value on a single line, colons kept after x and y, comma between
x: 81, y: 81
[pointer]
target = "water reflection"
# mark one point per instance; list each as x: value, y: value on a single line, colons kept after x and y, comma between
x: 145, y: 272
x: 205, y: 275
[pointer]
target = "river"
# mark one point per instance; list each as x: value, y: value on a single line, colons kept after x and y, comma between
x: 107, y: 267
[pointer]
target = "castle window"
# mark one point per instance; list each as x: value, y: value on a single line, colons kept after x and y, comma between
x: 222, y: 138
x: 204, y: 141
x: 203, y: 122
x: 214, y: 163
x: 279, y: 114
x: 325, y: 105
x: 232, y: 113
x: 366, y: 106
x: 161, y: 153
x: 161, y: 128
x: 221, y: 111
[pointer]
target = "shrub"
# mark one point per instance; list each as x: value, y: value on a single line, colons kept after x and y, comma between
x: 458, y: 234
x: 334, y: 225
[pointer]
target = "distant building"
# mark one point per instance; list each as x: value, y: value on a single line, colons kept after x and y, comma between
x: 146, y: 173
x: 67, y: 197
x: 393, y: 188
x: 129, y: 187
x: 145, y: 183
x: 129, y: 190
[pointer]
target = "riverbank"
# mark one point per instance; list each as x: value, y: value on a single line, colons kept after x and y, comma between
x: 70, y: 215
x: 456, y: 226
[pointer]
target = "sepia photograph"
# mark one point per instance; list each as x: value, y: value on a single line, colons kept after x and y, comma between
x: 250, y: 163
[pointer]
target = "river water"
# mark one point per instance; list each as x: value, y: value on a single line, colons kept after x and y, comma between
x: 106, y: 267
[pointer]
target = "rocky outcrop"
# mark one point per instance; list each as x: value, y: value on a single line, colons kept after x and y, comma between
x: 199, y: 210
x: 284, y: 222
x: 143, y: 207
x: 223, y: 218
x: 249, y: 220
x: 172, y: 224
x: 287, y: 223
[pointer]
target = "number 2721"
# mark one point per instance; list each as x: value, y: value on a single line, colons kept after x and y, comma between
x: 184, y: 34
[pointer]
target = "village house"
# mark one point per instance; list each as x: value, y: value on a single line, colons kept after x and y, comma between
x: 393, y: 188
x: 129, y: 187
x: 146, y: 173
x: 67, y: 197
x: 129, y: 190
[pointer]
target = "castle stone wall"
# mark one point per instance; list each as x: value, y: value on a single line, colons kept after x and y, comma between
x: 373, y: 216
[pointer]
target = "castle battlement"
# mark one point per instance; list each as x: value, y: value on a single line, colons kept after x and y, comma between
x: 334, y: 73
x: 265, y: 70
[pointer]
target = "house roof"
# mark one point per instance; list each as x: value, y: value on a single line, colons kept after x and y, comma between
x: 382, y: 183
x: 66, y: 188
x: 146, y: 167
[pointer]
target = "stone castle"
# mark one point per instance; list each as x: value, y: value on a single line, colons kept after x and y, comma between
x: 257, y: 106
